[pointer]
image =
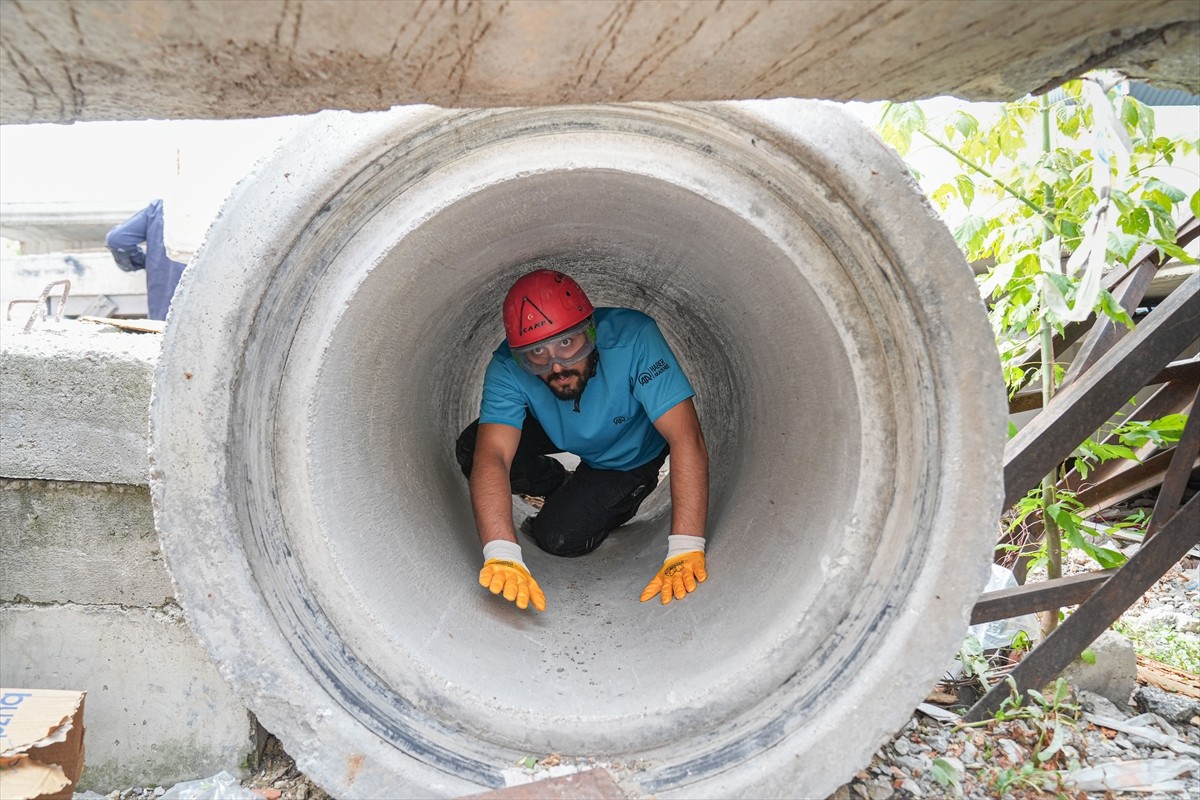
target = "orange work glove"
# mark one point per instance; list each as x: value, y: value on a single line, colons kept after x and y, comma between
x: 681, y: 572
x: 505, y: 571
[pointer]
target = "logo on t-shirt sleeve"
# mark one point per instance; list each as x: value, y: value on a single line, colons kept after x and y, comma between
x: 656, y: 369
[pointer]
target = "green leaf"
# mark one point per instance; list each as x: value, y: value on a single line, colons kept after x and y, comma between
x: 966, y: 189
x: 945, y: 773
x: 1113, y: 310
x: 1088, y: 656
x: 1175, y: 251
x: 1173, y: 194
x: 969, y: 234
x: 964, y: 123
x: 899, y: 122
x: 1194, y: 204
x: 1123, y: 245
x: 1056, y: 743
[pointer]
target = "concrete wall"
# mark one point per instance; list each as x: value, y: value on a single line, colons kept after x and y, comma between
x: 86, y: 601
x: 104, y: 59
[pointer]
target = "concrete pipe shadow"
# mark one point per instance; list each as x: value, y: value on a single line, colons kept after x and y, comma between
x: 328, y: 344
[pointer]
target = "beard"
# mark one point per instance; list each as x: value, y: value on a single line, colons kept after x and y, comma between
x: 573, y: 381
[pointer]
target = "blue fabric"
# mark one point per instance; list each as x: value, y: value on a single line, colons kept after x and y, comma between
x: 637, y: 380
x: 162, y: 274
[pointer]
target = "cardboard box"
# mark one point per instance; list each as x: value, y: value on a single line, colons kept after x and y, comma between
x: 41, y: 743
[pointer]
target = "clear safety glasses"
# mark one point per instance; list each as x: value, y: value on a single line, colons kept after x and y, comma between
x: 566, y: 349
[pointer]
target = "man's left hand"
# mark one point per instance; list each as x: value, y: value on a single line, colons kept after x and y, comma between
x: 679, y: 575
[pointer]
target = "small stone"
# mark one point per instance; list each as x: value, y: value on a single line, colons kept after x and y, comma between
x: 1175, y: 708
x: 842, y: 793
x: 159, y: 791
x: 879, y: 791
x: 912, y: 787
x: 901, y: 746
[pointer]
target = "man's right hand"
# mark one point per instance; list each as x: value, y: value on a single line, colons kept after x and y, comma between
x: 513, y: 579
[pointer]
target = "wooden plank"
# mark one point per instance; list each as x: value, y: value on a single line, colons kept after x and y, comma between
x: 135, y: 325
x: 1167, y: 678
x: 1094, y: 615
x: 1017, y: 600
x: 1081, y: 408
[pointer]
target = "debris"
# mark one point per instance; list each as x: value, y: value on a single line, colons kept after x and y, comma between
x: 1161, y: 739
x: 221, y: 786
x: 42, y: 732
x: 1146, y: 775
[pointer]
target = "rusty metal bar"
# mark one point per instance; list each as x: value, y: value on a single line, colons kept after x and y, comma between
x: 40, y: 304
x: 1185, y: 370
x: 1170, y: 398
x: 1081, y: 408
x: 1186, y: 450
x: 1016, y: 600
x: 1125, y: 484
x: 1094, y: 615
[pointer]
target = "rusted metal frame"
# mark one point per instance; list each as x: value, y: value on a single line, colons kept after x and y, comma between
x: 1186, y: 450
x: 1170, y: 398
x: 1104, y: 333
x: 1185, y: 370
x: 1126, y: 484
x: 1098, y: 612
x: 1017, y: 600
x: 1081, y: 408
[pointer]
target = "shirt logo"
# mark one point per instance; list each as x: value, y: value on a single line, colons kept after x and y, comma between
x: 618, y: 420
x: 656, y: 369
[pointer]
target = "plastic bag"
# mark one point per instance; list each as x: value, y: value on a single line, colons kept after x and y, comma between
x: 999, y: 634
x: 221, y: 786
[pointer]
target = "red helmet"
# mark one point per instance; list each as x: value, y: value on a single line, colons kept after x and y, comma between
x: 541, y: 304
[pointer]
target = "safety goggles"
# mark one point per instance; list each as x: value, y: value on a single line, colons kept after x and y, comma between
x: 565, y: 349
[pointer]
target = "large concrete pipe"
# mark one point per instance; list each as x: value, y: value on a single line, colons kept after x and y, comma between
x: 329, y: 344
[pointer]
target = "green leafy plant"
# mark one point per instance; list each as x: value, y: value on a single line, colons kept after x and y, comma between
x: 1051, y: 195
x: 947, y: 774
x: 1047, y: 722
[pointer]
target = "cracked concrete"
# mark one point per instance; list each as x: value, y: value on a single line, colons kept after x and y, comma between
x: 163, y: 59
x: 86, y: 601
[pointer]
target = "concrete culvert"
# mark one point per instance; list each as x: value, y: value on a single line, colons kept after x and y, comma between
x: 328, y: 345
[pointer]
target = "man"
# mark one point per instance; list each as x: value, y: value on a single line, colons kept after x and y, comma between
x: 162, y: 274
x: 604, y: 385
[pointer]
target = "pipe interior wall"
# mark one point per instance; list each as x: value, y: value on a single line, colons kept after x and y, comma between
x: 332, y: 333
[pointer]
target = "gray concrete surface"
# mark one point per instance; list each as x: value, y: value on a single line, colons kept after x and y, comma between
x: 335, y: 326
x: 88, y: 543
x: 86, y: 601
x: 156, y: 711
x: 73, y: 402
x: 104, y: 59
x: 1111, y: 672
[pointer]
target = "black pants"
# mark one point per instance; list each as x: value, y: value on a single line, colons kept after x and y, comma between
x: 581, y: 509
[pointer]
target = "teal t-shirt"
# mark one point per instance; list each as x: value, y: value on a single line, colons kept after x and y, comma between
x: 637, y: 380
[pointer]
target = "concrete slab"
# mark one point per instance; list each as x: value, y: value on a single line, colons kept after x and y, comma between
x: 157, y: 710
x: 89, y: 543
x: 272, y: 57
x: 73, y: 402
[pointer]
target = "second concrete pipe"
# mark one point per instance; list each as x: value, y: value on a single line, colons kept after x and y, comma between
x: 328, y: 344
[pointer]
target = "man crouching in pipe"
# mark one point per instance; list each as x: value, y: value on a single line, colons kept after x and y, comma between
x: 637, y: 409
